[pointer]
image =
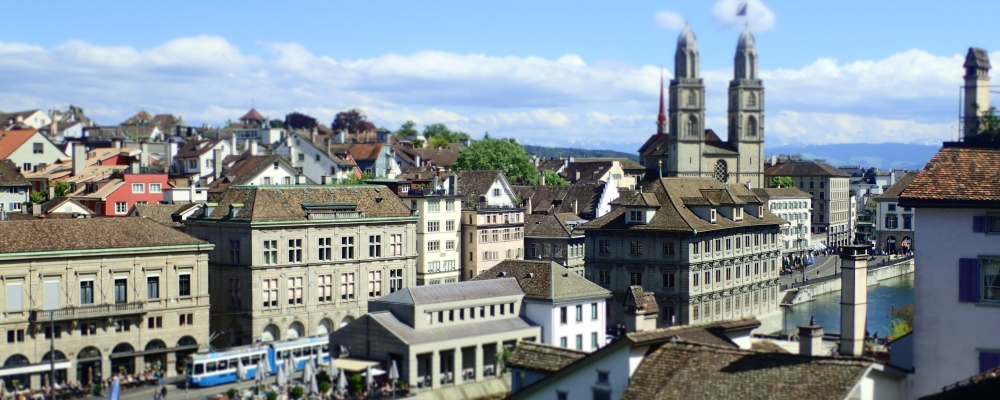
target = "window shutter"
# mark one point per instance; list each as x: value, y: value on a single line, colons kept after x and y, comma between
x: 969, y: 282
x: 979, y: 223
x: 988, y: 361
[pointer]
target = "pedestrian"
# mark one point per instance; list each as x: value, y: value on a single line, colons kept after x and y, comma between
x: 163, y: 392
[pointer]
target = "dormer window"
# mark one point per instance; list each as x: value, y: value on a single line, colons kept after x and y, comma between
x: 712, y: 216
x: 760, y: 211
x: 737, y: 213
x: 636, y: 216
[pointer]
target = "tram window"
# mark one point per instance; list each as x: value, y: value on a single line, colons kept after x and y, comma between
x: 232, y: 364
x: 210, y: 367
x: 284, y: 354
x: 223, y: 365
x: 326, y: 348
x: 255, y: 360
x: 245, y: 361
x: 199, y: 369
x: 297, y: 352
x: 307, y: 351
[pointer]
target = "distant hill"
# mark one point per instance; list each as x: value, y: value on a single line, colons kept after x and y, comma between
x: 881, y: 155
x: 547, y: 152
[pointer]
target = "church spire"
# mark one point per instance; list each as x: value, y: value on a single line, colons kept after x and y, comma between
x: 661, y: 120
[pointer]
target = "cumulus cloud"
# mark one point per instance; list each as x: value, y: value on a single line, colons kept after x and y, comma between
x: 905, y: 97
x: 758, y: 17
x: 669, y: 20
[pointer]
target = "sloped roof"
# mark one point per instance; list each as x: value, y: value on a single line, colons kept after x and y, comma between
x: 253, y: 115
x: 284, y: 203
x: 58, y: 202
x: 550, y: 225
x: 643, y: 301
x: 544, y: 198
x: 88, y: 233
x: 196, y: 148
x: 244, y: 170
x: 779, y: 193
x: 358, y: 151
x: 423, y: 173
x: 447, y: 332
x: 542, y: 357
x: 655, y: 145
x: 698, y: 371
x: 805, y: 168
x: 984, y: 385
x: 160, y: 213
x: 138, y: 118
x: 626, y: 163
x: 638, y: 199
x: 12, y: 140
x: 893, y: 192
x: 543, y: 280
x: 10, y: 176
x: 957, y: 175
x: 586, y: 170
x: 439, y: 157
x: 448, y: 292
x: 477, y: 183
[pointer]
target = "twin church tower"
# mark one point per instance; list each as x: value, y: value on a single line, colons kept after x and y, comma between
x: 682, y: 147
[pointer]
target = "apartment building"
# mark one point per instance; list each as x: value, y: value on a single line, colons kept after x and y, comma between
x: 794, y: 206
x: 14, y: 189
x: 302, y: 260
x: 894, y: 224
x: 831, y: 196
x: 112, y: 294
x: 439, y: 210
x: 492, y: 221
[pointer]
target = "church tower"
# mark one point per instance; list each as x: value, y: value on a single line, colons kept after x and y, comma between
x: 687, y: 110
x: 977, y: 90
x: 746, y: 113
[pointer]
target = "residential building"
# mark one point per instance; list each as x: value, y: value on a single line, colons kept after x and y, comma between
x: 315, y: 160
x: 262, y: 170
x: 111, y: 294
x: 956, y: 286
x: 709, y: 251
x: 439, y: 248
x: 115, y: 197
x: 440, y: 336
x: 302, y: 260
x: 792, y: 205
x: 197, y: 158
x: 672, y: 151
x: 253, y: 126
x: 492, y: 221
x: 569, y: 308
x: 62, y: 206
x: 15, y: 191
x: 555, y: 238
x: 28, y: 149
x: 894, y: 224
x: 30, y: 119
x: 423, y: 157
x: 831, y: 199
x: 620, y: 172
x: 589, y: 201
x: 375, y: 159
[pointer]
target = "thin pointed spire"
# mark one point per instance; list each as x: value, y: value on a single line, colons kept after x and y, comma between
x: 661, y: 119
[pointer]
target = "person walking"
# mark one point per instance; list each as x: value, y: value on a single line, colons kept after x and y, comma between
x: 163, y: 392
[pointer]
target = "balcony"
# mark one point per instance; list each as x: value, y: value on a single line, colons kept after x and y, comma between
x: 99, y: 311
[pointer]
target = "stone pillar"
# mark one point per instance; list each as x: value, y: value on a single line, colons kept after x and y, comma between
x: 71, y: 372
x: 171, y: 366
x: 457, y: 365
x: 853, y: 299
x: 810, y: 340
x: 35, y: 380
x: 105, y: 369
x: 412, y: 368
x: 479, y: 362
x: 140, y: 363
x: 435, y: 369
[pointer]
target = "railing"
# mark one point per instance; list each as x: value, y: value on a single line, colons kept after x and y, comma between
x: 104, y: 310
x: 336, y: 215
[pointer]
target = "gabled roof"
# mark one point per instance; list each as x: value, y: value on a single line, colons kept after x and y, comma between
x: 196, y: 148
x: 477, y: 183
x: 638, y: 199
x: 12, y: 140
x: 542, y: 357
x: 958, y: 175
x: 545, y: 198
x: 359, y: 151
x: 88, y: 233
x: 448, y: 332
x: 805, y: 168
x: 542, y: 280
x: 245, y: 170
x: 160, y: 213
x: 253, y: 115
x: 766, y: 194
x: 655, y: 145
x: 449, y: 292
x: 893, y: 192
x: 550, y: 225
x: 284, y: 203
x: 425, y: 173
x: 140, y: 117
x: 10, y: 176
x: 55, y: 204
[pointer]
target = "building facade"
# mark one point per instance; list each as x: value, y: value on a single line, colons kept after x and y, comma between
x: 112, y: 294
x: 555, y: 238
x: 794, y: 206
x: 14, y: 189
x: 492, y: 221
x: 438, y: 234
x: 302, y: 260
x: 831, y: 197
x: 28, y: 149
x: 895, y: 225
x: 709, y: 251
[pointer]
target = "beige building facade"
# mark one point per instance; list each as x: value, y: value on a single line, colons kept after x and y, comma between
x: 302, y: 260
x: 438, y: 234
x: 112, y: 294
x: 830, y: 188
x: 492, y: 222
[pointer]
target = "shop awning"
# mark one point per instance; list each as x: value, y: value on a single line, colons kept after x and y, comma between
x: 353, y: 364
x: 818, y: 246
x: 30, y: 369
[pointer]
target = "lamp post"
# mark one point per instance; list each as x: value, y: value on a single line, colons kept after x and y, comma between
x: 52, y: 353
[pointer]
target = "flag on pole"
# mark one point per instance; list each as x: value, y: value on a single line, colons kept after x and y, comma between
x: 742, y: 10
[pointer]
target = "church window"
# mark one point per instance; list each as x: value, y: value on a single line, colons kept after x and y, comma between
x: 721, y: 170
x: 752, y: 126
x: 692, y: 126
x: 752, y: 100
x: 692, y: 99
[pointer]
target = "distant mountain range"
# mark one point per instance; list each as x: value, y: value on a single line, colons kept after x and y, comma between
x: 881, y: 155
x: 564, y: 152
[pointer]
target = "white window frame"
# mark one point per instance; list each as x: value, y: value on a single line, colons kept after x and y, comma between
x: 123, y: 209
x: 138, y: 187
x: 155, y: 188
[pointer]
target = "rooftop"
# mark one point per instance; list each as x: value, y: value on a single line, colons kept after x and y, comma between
x: 543, y: 280
x: 10, y: 176
x: 958, y: 175
x: 893, y: 192
x: 805, y: 168
x: 542, y: 357
x: 284, y: 203
x: 448, y: 292
x: 44, y: 235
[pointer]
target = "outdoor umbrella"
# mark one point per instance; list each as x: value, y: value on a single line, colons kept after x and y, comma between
x: 241, y: 374
x: 116, y: 389
x: 316, y: 363
x: 3, y: 389
x: 393, y: 376
x: 309, y: 379
x: 262, y: 370
x: 341, y: 381
x: 368, y: 377
x: 282, y: 375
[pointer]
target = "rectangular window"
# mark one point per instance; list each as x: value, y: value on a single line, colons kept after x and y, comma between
x: 449, y: 225
x: 668, y: 281
x: 294, y: 250
x: 374, y: 246
x: 294, y: 290
x: 374, y: 284
x: 121, y: 291
x: 434, y: 245
x: 395, y: 245
x: 579, y: 313
x: 235, y: 297
x: 604, y: 246
x: 152, y: 287
x: 593, y: 340
x: 694, y: 280
x: 90, y: 328
x: 562, y: 342
x: 347, y: 286
x: 347, y: 248
x: 37, y: 148
x: 325, y: 249
x: 449, y: 245
x: 635, y: 247
x: 184, y: 285
x: 138, y: 188
x: 593, y: 311
x: 433, y: 205
x: 87, y: 292
x: 155, y: 188
x: 579, y: 342
x: 433, y: 226
x: 890, y: 221
x: 270, y: 252
x: 234, y: 251
x: 635, y: 278
x: 563, y: 315
x: 325, y: 288
x: 121, y: 207
x: 449, y: 205
x: 484, y: 237
x: 604, y: 277
x: 270, y: 292
x: 48, y: 332
x: 668, y: 248
x: 907, y: 222
x: 635, y: 216
x: 396, y: 278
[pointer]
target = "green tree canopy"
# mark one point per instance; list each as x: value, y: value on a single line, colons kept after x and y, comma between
x: 501, y: 154
x: 439, y: 136
x: 782, y: 181
x: 407, y: 130
x: 61, y: 188
x: 352, y: 121
x: 553, y: 179
x: 989, y: 127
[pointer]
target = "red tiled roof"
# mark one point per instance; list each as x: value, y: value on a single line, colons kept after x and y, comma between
x: 253, y: 115
x: 957, y: 175
x: 12, y: 140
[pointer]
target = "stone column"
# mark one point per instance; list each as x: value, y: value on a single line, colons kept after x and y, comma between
x: 479, y: 362
x: 71, y: 372
x: 35, y: 380
x: 105, y: 369
x: 169, y: 369
x: 140, y: 363
x: 412, y: 368
x: 435, y: 369
x: 853, y: 299
x: 457, y: 365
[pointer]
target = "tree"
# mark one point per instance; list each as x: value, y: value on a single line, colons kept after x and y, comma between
x: 439, y: 136
x: 297, y: 120
x: 37, y: 197
x: 989, y: 127
x: 274, y: 123
x: 553, y: 179
x: 352, y: 121
x: 407, y: 130
x: 499, y: 154
x: 61, y: 188
x: 902, y: 321
x: 782, y: 182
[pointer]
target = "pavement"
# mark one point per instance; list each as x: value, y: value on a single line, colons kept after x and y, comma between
x: 176, y: 391
x: 826, y: 265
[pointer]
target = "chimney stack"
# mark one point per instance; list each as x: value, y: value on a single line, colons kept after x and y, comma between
x: 233, y: 143
x: 52, y: 191
x: 79, y: 158
x: 217, y: 153
x: 577, y: 177
x: 527, y: 204
x: 144, y: 155
x: 853, y: 298
x: 811, y: 340
x: 252, y: 146
x: 641, y: 310
x: 453, y: 184
x: 541, y: 178
x: 576, y: 205
x: 312, y: 135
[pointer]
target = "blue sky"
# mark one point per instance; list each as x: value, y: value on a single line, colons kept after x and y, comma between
x: 554, y: 73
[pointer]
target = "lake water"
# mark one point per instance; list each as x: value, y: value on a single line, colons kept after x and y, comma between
x: 895, y: 292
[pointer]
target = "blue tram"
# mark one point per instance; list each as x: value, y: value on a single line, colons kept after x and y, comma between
x: 209, y: 369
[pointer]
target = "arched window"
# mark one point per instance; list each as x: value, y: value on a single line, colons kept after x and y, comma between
x: 752, y: 100
x: 721, y: 170
x: 692, y: 99
x: 752, y: 126
x: 753, y: 66
x: 155, y: 344
x: 59, y: 356
x: 347, y: 320
x: 692, y: 126
x: 122, y: 348
x: 16, y: 360
x: 87, y: 353
x: 271, y: 333
x: 295, y: 330
x: 732, y: 127
x: 187, y: 341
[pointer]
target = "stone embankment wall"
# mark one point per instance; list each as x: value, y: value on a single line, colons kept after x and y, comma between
x: 808, y: 292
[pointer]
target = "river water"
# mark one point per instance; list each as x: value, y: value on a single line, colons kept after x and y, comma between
x: 893, y: 292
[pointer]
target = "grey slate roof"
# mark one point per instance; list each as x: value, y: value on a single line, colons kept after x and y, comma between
x: 161, y: 213
x: 284, y: 203
x: 550, y: 225
x: 10, y: 176
x: 457, y: 291
x: 409, y: 335
x: 769, y: 193
x: 805, y: 168
x: 543, y: 280
x: 545, y: 198
x: 893, y: 192
x: 476, y: 183
x: 542, y: 357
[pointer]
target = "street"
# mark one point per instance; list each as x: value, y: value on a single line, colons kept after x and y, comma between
x: 826, y: 265
x: 175, y: 391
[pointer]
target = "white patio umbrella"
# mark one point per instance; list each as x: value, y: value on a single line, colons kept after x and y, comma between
x: 263, y: 369
x: 316, y: 363
x: 393, y: 376
x: 368, y: 377
x: 241, y: 374
x: 309, y: 379
x: 282, y: 375
x: 341, y: 381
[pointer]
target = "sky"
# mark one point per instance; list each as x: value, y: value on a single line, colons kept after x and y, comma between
x: 556, y: 73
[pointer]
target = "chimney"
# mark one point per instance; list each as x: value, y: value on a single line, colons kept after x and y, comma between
x: 36, y: 209
x: 312, y: 135
x: 135, y: 167
x: 217, y: 153
x: 641, y: 310
x: 252, y: 146
x: 811, y: 340
x: 577, y: 176
x: 342, y: 137
x: 171, y: 152
x: 853, y: 298
x: 453, y: 184
x: 52, y: 191
x: 326, y: 180
x: 541, y: 179
x: 233, y: 144
x: 191, y: 187
x: 79, y: 158
x: 416, y: 160
x: 300, y: 179
x: 527, y: 204
x: 144, y: 154
x: 576, y: 205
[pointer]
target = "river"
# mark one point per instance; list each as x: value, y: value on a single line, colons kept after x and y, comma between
x: 893, y: 292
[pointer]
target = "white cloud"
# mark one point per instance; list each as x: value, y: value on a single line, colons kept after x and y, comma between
x: 669, y: 20
x: 758, y: 17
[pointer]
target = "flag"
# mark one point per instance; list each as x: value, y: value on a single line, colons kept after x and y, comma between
x: 742, y: 11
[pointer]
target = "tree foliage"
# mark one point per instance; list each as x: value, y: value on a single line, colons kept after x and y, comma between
x: 353, y: 179
x: 553, y: 179
x: 274, y: 123
x: 352, y: 121
x: 902, y: 321
x: 297, y: 120
x: 782, y: 182
x: 37, y: 197
x: 407, y: 130
x: 61, y: 188
x: 989, y: 127
x: 439, y: 136
x: 501, y: 154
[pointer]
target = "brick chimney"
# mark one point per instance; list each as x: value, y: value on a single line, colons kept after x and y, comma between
x: 79, y: 158
x: 217, y: 162
x: 853, y: 298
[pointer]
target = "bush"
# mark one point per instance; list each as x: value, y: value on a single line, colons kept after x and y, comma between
x: 297, y: 392
x: 322, y: 376
x: 272, y: 395
x: 358, y: 382
x: 324, y: 386
x: 98, y: 389
x: 231, y: 393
